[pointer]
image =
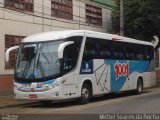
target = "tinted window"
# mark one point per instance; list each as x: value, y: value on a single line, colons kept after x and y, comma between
x: 91, y: 49
x: 106, y: 49
x: 71, y: 53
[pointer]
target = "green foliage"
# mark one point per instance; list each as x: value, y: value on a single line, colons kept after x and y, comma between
x: 141, y: 19
x: 116, y: 18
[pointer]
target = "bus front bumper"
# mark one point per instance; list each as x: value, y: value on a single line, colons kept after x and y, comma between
x: 52, y: 94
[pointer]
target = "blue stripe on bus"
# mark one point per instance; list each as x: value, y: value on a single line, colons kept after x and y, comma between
x: 49, y: 81
x: 45, y: 82
x: 133, y: 66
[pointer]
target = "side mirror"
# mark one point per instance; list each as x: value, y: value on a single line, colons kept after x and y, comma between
x: 61, y: 48
x: 8, y: 51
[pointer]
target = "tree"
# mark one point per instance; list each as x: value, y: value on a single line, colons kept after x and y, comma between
x: 141, y: 19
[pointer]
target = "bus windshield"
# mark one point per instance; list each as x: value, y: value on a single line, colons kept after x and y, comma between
x: 38, y: 60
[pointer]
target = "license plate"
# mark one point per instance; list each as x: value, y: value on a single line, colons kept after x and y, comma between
x: 26, y: 85
x: 33, y: 96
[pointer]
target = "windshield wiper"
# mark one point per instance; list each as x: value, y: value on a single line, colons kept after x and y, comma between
x: 41, y: 70
x: 40, y: 65
x: 26, y: 69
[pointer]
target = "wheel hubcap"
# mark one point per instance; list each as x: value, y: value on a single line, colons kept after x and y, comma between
x: 140, y: 88
x: 85, y: 93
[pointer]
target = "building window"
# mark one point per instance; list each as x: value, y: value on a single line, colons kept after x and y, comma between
x: 23, y: 5
x: 93, y: 15
x: 62, y: 9
x: 10, y: 41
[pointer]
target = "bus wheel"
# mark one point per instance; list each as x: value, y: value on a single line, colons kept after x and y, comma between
x: 139, y: 88
x: 85, y: 94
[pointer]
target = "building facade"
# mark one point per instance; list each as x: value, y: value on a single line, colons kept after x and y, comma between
x: 157, y: 62
x: 21, y: 18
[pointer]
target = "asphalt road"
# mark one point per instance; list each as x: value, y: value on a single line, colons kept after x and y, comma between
x: 109, y: 106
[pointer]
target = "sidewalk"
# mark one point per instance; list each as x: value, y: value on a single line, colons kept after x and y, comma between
x: 9, y: 101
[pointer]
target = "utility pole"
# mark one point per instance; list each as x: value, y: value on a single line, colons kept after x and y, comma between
x: 79, y: 14
x: 42, y: 15
x: 121, y: 18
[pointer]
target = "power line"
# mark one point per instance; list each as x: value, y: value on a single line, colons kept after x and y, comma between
x: 33, y: 23
x: 82, y: 23
x: 8, y: 10
x: 49, y: 8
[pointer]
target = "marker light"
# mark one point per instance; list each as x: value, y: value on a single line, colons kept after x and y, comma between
x: 116, y: 39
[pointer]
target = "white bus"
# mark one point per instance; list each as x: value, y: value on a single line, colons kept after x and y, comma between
x: 80, y: 64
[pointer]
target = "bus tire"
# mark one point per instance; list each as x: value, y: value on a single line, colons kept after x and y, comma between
x: 139, y: 88
x: 85, y: 94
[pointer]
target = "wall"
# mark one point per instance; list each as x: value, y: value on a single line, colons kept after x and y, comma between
x: 6, y: 84
x: 15, y: 23
x: 157, y: 58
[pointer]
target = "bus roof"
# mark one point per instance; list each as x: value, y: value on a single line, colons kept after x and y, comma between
x: 55, y: 35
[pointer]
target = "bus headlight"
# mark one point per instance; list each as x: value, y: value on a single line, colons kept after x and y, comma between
x: 60, y: 82
x: 16, y: 86
x: 56, y: 84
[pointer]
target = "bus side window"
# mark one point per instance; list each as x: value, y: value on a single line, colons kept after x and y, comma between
x: 90, y: 49
x: 138, y: 51
x: 150, y: 52
x: 145, y: 53
x: 71, y: 53
x: 68, y: 62
x: 118, y: 50
x: 105, y: 50
x: 129, y: 51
